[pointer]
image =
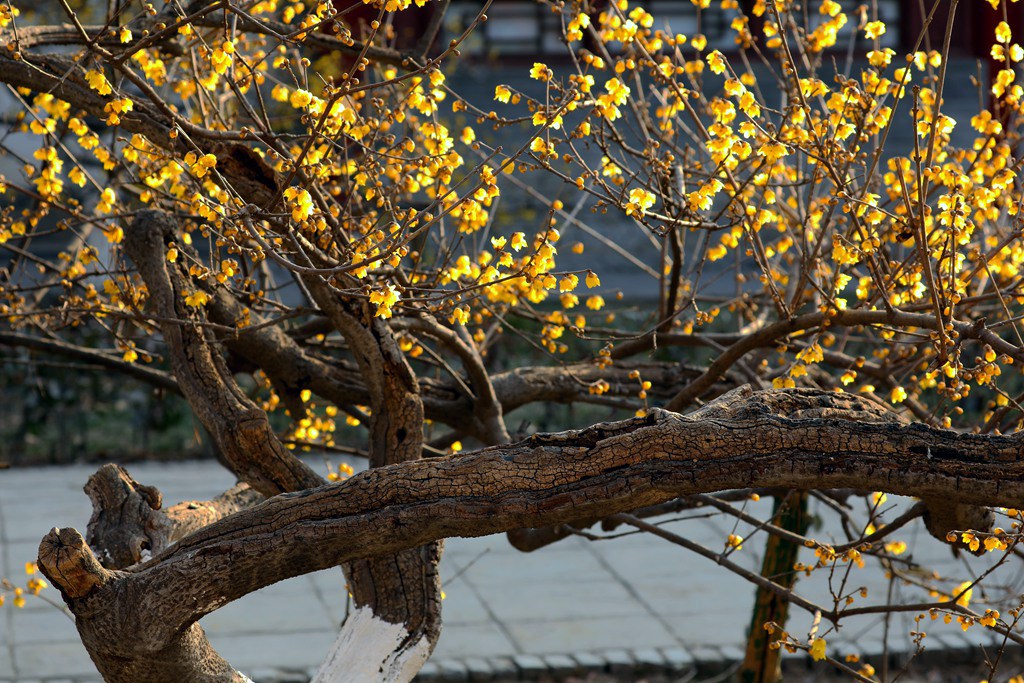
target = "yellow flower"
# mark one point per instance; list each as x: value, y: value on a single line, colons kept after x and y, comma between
x: 115, y: 108
x: 300, y: 98
x: 125, y: 35
x: 197, y: 299
x: 203, y: 165
x: 898, y: 395
x: 773, y: 151
x: 540, y: 72
x: 518, y: 241
x: 593, y: 280
x: 964, y: 590
x: 301, y: 203
x: 874, y: 29
x: 639, y: 201
x: 107, y: 199
x: 1003, y: 33
x: 830, y: 8
x: 716, y: 60
x: 617, y: 91
x: 568, y: 283
x: 385, y: 299
x: 221, y: 57
x: 896, y: 547
x: 502, y: 93
x: 98, y: 82
x: 817, y: 650
x: 881, y: 58
x: 280, y: 93
x: 1003, y: 79
x: 7, y: 14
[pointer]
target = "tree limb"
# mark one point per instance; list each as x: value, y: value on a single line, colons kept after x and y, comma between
x: 787, y: 438
x: 241, y: 430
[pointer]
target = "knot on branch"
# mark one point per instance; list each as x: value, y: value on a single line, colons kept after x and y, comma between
x: 126, y: 518
x: 150, y: 231
x: 796, y: 404
x: 250, y: 175
x: 66, y: 560
x: 944, y: 515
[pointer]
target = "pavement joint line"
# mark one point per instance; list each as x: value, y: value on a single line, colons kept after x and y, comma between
x: 456, y: 669
x: 726, y: 657
x: 519, y: 649
x: 321, y: 597
x: 634, y: 593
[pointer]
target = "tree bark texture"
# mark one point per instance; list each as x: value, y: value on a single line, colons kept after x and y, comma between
x: 128, y: 520
x: 401, y: 589
x: 801, y: 438
x: 240, y: 428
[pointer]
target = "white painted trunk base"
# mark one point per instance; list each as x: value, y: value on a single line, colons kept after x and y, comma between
x: 369, y: 650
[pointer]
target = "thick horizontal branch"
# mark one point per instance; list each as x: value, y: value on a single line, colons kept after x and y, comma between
x: 798, y: 438
x: 572, y: 383
x: 62, y: 78
x: 241, y: 168
x: 66, y: 34
x: 56, y: 347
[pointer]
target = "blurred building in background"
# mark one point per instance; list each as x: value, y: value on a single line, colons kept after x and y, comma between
x: 528, y: 29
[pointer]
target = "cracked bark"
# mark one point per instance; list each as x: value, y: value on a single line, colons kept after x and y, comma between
x: 804, y: 439
x: 401, y: 588
x: 239, y: 427
x: 128, y: 518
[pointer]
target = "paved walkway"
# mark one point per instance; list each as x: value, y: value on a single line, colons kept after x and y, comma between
x: 631, y: 598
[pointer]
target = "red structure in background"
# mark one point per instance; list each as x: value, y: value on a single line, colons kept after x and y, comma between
x: 972, y: 36
x: 974, y: 26
x: 407, y: 27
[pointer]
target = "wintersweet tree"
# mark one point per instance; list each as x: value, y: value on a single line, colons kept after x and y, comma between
x: 289, y: 215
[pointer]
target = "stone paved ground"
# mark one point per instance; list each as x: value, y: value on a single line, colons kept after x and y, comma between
x: 617, y: 605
